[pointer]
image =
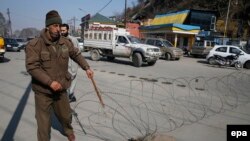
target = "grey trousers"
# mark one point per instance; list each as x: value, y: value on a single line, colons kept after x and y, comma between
x: 72, y: 87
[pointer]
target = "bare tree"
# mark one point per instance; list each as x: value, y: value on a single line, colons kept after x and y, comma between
x: 29, y: 32
x: 2, y: 25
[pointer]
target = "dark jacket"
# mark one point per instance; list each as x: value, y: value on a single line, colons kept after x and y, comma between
x: 47, y: 62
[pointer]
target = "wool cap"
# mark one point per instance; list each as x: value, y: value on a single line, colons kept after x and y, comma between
x: 52, y: 17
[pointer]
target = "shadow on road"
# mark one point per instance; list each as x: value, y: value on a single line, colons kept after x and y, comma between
x: 4, y: 60
x: 56, y: 124
x: 13, y: 124
x: 202, y: 61
x: 117, y: 61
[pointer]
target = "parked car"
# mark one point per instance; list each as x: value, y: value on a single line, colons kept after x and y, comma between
x: 201, y: 48
x: 11, y: 44
x: 2, y: 48
x: 167, y: 49
x: 21, y: 42
x: 80, y: 41
x: 226, y: 50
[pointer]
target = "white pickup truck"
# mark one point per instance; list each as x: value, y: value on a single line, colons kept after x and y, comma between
x: 115, y: 42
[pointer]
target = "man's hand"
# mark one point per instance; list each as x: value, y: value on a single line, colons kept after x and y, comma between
x: 89, y: 73
x: 56, y: 86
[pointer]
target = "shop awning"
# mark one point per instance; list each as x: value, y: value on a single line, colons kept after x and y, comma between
x: 174, y: 28
x: 177, y: 18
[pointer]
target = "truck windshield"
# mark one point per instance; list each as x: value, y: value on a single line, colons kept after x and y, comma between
x: 134, y: 40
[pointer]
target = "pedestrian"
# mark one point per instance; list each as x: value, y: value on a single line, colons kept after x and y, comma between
x: 46, y: 61
x: 73, y: 67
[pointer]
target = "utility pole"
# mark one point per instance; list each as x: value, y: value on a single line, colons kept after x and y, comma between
x: 125, y: 15
x: 9, y: 22
x: 74, y: 25
x: 225, y: 29
x: 73, y: 29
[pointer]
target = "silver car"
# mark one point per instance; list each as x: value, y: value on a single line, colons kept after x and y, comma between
x: 167, y: 49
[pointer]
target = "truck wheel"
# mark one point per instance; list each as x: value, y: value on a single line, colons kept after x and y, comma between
x: 167, y: 56
x: 110, y: 58
x: 137, y: 59
x: 151, y: 63
x: 95, y: 55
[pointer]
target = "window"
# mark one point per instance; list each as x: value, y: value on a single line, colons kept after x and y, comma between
x: 90, y: 36
x: 105, y: 36
x: 20, y: 40
x: 167, y: 43
x: 80, y: 40
x: 133, y: 40
x: 110, y: 36
x: 158, y: 43
x: 122, y: 39
x: 150, y: 42
x: 208, y: 44
x: 234, y: 50
x: 100, y: 36
x: 95, y: 35
x: 10, y: 41
x: 86, y: 36
x: 199, y: 43
x: 221, y: 49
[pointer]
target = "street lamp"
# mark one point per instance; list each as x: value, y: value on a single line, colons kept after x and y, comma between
x: 125, y: 15
x: 82, y: 10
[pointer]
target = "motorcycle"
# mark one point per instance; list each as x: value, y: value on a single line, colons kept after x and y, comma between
x: 230, y: 60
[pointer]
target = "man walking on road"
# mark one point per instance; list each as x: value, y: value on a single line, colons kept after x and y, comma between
x: 73, y: 67
x: 47, y: 62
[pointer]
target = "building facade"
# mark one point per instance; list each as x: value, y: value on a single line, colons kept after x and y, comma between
x: 180, y: 27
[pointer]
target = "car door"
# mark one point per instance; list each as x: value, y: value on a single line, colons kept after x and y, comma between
x: 122, y: 48
x: 222, y: 51
x: 160, y: 45
x: 236, y: 50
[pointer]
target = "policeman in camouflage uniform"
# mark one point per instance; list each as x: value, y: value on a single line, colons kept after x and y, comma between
x: 47, y: 62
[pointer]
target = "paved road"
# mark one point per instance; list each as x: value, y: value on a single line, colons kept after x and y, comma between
x: 187, y: 99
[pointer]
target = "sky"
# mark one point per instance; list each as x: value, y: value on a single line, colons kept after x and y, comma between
x: 31, y: 13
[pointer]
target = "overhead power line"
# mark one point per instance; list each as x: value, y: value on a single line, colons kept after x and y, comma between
x: 104, y: 6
